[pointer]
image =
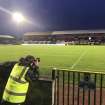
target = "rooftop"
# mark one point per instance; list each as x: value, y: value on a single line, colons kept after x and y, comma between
x: 6, y: 36
x: 64, y: 32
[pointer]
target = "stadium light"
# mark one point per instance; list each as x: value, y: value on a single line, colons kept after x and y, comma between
x: 18, y: 17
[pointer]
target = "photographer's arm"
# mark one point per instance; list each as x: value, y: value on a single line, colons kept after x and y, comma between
x: 32, y: 75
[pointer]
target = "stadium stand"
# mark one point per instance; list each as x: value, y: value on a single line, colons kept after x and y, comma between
x: 7, y: 39
x: 83, y: 37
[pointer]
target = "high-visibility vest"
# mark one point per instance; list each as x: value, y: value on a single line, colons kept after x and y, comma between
x: 16, y: 87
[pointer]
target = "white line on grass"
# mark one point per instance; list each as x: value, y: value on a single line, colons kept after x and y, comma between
x: 78, y: 60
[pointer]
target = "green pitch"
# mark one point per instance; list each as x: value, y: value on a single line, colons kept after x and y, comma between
x: 82, y: 58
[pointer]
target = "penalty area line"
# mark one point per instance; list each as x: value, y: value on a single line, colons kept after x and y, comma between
x: 78, y: 60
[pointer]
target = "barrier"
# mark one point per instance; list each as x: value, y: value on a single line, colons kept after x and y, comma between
x: 78, y: 88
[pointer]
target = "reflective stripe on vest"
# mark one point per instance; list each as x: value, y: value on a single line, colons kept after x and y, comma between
x: 18, y: 80
x: 16, y: 87
x: 15, y: 94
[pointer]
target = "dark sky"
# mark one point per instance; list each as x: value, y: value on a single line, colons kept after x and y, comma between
x: 51, y: 15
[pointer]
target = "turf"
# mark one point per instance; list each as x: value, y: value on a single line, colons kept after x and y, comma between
x: 82, y: 58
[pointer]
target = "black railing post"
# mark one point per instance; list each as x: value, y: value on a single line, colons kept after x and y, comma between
x: 58, y: 87
x: 95, y: 79
x: 73, y: 87
x: 68, y: 87
x: 54, y: 87
x: 89, y: 89
x: 101, y: 80
x: 63, y: 87
x: 89, y: 96
x: 53, y: 74
x: 83, y: 98
x: 78, y: 88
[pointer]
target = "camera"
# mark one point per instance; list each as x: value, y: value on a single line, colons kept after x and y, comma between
x: 38, y: 59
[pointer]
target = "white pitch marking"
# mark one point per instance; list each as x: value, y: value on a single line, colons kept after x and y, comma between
x: 78, y: 60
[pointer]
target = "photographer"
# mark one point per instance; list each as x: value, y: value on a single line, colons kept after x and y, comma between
x: 17, y: 84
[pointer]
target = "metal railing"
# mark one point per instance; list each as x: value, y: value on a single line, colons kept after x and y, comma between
x: 78, y: 88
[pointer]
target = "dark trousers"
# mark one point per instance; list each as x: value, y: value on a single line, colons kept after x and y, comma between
x: 8, y: 103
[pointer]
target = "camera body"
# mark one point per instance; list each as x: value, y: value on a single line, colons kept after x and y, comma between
x: 38, y: 59
x: 34, y: 69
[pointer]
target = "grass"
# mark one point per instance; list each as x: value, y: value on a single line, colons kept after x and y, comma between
x: 82, y: 58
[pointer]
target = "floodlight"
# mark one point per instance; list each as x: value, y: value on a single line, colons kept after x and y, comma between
x: 18, y: 17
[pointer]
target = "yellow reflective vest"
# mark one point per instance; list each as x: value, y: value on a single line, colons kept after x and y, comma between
x: 16, y: 87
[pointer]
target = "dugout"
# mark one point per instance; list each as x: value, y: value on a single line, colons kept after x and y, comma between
x: 69, y: 37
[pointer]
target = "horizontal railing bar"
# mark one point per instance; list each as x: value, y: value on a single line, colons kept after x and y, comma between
x: 79, y: 71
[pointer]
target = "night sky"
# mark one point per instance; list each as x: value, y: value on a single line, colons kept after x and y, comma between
x: 49, y: 15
